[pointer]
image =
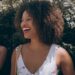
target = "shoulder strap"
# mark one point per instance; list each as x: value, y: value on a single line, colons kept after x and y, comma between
x: 53, y: 51
x: 18, y: 51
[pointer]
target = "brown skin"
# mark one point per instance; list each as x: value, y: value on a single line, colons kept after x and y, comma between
x: 36, y: 52
x: 13, y: 64
x: 3, y: 52
x: 64, y: 61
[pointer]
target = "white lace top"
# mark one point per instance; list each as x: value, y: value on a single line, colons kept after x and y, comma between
x: 48, y: 67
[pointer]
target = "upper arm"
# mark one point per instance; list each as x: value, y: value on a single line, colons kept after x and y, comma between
x: 14, y: 58
x: 3, y: 53
x: 13, y: 63
x: 67, y: 64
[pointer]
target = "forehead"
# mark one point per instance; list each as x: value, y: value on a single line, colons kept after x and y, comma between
x: 26, y: 14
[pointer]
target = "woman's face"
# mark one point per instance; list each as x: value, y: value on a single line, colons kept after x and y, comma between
x: 27, y: 26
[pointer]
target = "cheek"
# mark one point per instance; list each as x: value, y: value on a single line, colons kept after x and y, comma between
x: 33, y: 30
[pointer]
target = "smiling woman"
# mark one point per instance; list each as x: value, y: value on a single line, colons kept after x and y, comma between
x: 42, y: 23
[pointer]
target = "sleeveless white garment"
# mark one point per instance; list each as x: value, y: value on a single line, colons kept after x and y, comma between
x: 48, y: 67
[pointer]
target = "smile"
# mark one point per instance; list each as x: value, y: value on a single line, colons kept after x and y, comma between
x: 26, y: 29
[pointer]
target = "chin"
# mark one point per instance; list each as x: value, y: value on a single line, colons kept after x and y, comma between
x: 27, y: 37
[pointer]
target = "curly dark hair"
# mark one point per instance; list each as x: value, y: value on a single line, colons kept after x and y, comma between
x: 48, y: 18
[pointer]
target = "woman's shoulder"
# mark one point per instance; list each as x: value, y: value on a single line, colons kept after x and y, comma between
x: 63, y: 52
x: 60, y: 50
x: 3, y: 47
x: 18, y: 49
x: 64, y: 56
x: 3, y: 50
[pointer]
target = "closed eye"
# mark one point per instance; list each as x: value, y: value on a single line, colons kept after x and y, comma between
x: 28, y: 19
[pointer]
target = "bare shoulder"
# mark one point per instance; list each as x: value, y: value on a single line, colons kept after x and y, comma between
x: 66, y: 62
x: 3, y: 53
x: 64, y: 55
x: 3, y: 48
x: 14, y: 60
x: 17, y: 50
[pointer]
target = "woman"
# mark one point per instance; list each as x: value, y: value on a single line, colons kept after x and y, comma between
x: 3, y: 53
x: 42, y: 25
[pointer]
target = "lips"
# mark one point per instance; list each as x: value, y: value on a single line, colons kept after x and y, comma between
x: 26, y: 29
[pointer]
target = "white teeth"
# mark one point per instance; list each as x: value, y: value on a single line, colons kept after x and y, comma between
x: 24, y: 29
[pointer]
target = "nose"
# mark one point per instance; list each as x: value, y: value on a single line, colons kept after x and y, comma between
x: 23, y: 24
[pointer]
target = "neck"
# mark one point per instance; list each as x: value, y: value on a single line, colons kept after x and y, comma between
x: 37, y: 45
